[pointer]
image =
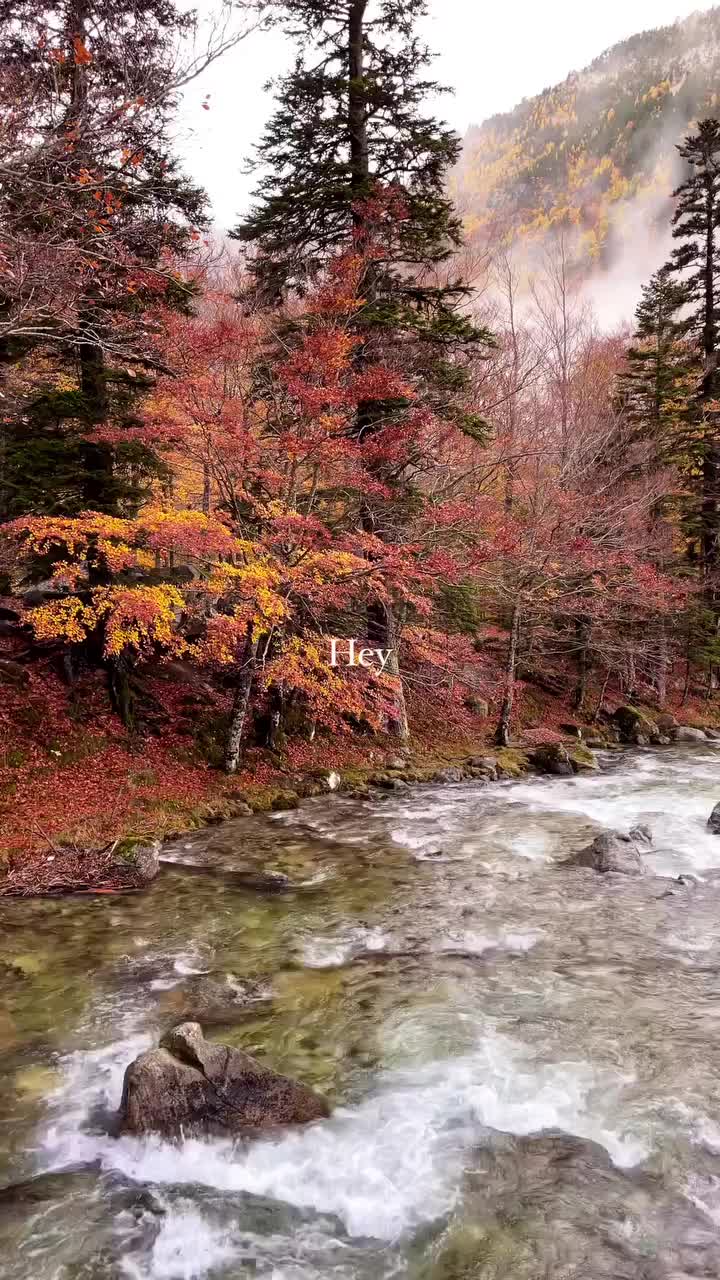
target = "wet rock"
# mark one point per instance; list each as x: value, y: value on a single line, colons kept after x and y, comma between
x: 190, y: 1087
x: 484, y: 766
x: 512, y: 762
x: 239, y: 809
x: 451, y: 774
x: 612, y: 851
x: 285, y: 800
x: 641, y: 834
x: 552, y: 757
x: 582, y: 759
x: 635, y: 727
x: 665, y: 721
x: 714, y: 820
x: 138, y: 862
x: 388, y: 783
x: 263, y: 881
x: 685, y: 733
x: 213, y: 1000
x: 712, y: 735
x: 553, y: 1206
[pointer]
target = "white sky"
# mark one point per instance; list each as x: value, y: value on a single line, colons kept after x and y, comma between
x: 492, y: 54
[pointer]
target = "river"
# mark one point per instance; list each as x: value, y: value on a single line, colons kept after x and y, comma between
x: 524, y: 1057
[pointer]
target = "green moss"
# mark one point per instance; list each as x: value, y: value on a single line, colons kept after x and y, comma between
x: 583, y: 758
x: 512, y: 762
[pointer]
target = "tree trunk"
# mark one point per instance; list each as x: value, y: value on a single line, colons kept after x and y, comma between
x: 357, y: 106
x: 662, y: 668
x: 241, y: 703
x: 502, y: 735
x: 583, y: 632
x: 382, y: 634
x: 121, y: 692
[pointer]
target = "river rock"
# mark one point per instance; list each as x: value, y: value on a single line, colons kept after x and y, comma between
x: 665, y: 721
x: 451, y: 774
x: 486, y: 766
x: 714, y: 820
x: 612, y: 851
x: 712, y: 735
x: 213, y: 1000
x: 190, y: 1087
x: 552, y: 757
x: 140, y: 863
x: 686, y: 733
x: 582, y: 759
x: 635, y: 727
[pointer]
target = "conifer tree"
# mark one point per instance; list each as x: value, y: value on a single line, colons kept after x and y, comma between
x: 350, y: 152
x: 656, y: 388
x: 695, y: 265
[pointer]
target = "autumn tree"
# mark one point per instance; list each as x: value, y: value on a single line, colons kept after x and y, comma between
x: 349, y: 153
x: 95, y: 214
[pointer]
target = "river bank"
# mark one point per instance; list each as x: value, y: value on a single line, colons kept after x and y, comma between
x: 57, y: 865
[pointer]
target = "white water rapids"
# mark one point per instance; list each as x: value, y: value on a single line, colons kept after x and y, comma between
x: 481, y: 988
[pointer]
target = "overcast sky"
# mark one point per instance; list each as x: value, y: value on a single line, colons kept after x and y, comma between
x: 492, y: 54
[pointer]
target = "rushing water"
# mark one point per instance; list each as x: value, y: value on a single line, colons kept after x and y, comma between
x: 453, y: 989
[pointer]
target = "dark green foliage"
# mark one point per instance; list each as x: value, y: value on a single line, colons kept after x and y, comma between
x: 662, y: 365
x: 460, y: 606
x: 695, y: 266
x: 334, y: 141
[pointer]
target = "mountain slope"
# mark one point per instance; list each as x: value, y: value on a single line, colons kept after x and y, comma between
x: 599, y: 148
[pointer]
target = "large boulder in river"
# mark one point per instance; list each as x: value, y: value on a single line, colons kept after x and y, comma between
x: 686, y: 733
x: 563, y: 761
x: 552, y: 757
x: 191, y: 1087
x: 613, y: 851
x: 635, y: 727
x: 714, y: 820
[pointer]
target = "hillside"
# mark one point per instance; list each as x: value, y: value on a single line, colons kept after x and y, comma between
x: 597, y: 151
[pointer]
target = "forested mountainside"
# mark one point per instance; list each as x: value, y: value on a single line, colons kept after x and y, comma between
x: 584, y: 152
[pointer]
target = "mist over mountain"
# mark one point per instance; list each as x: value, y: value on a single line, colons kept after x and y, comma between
x: 595, y: 157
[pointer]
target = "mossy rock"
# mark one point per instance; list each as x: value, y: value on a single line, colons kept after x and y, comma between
x: 512, y: 763
x: 635, y: 726
x: 554, y: 758
x: 284, y: 800
x: 582, y: 759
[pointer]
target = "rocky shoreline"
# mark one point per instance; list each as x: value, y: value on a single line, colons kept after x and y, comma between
x: 131, y: 865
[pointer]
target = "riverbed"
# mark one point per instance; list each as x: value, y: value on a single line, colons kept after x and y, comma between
x: 524, y: 1058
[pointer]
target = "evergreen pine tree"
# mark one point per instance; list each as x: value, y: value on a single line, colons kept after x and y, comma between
x: 656, y: 389
x: 351, y: 125
x: 695, y: 265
